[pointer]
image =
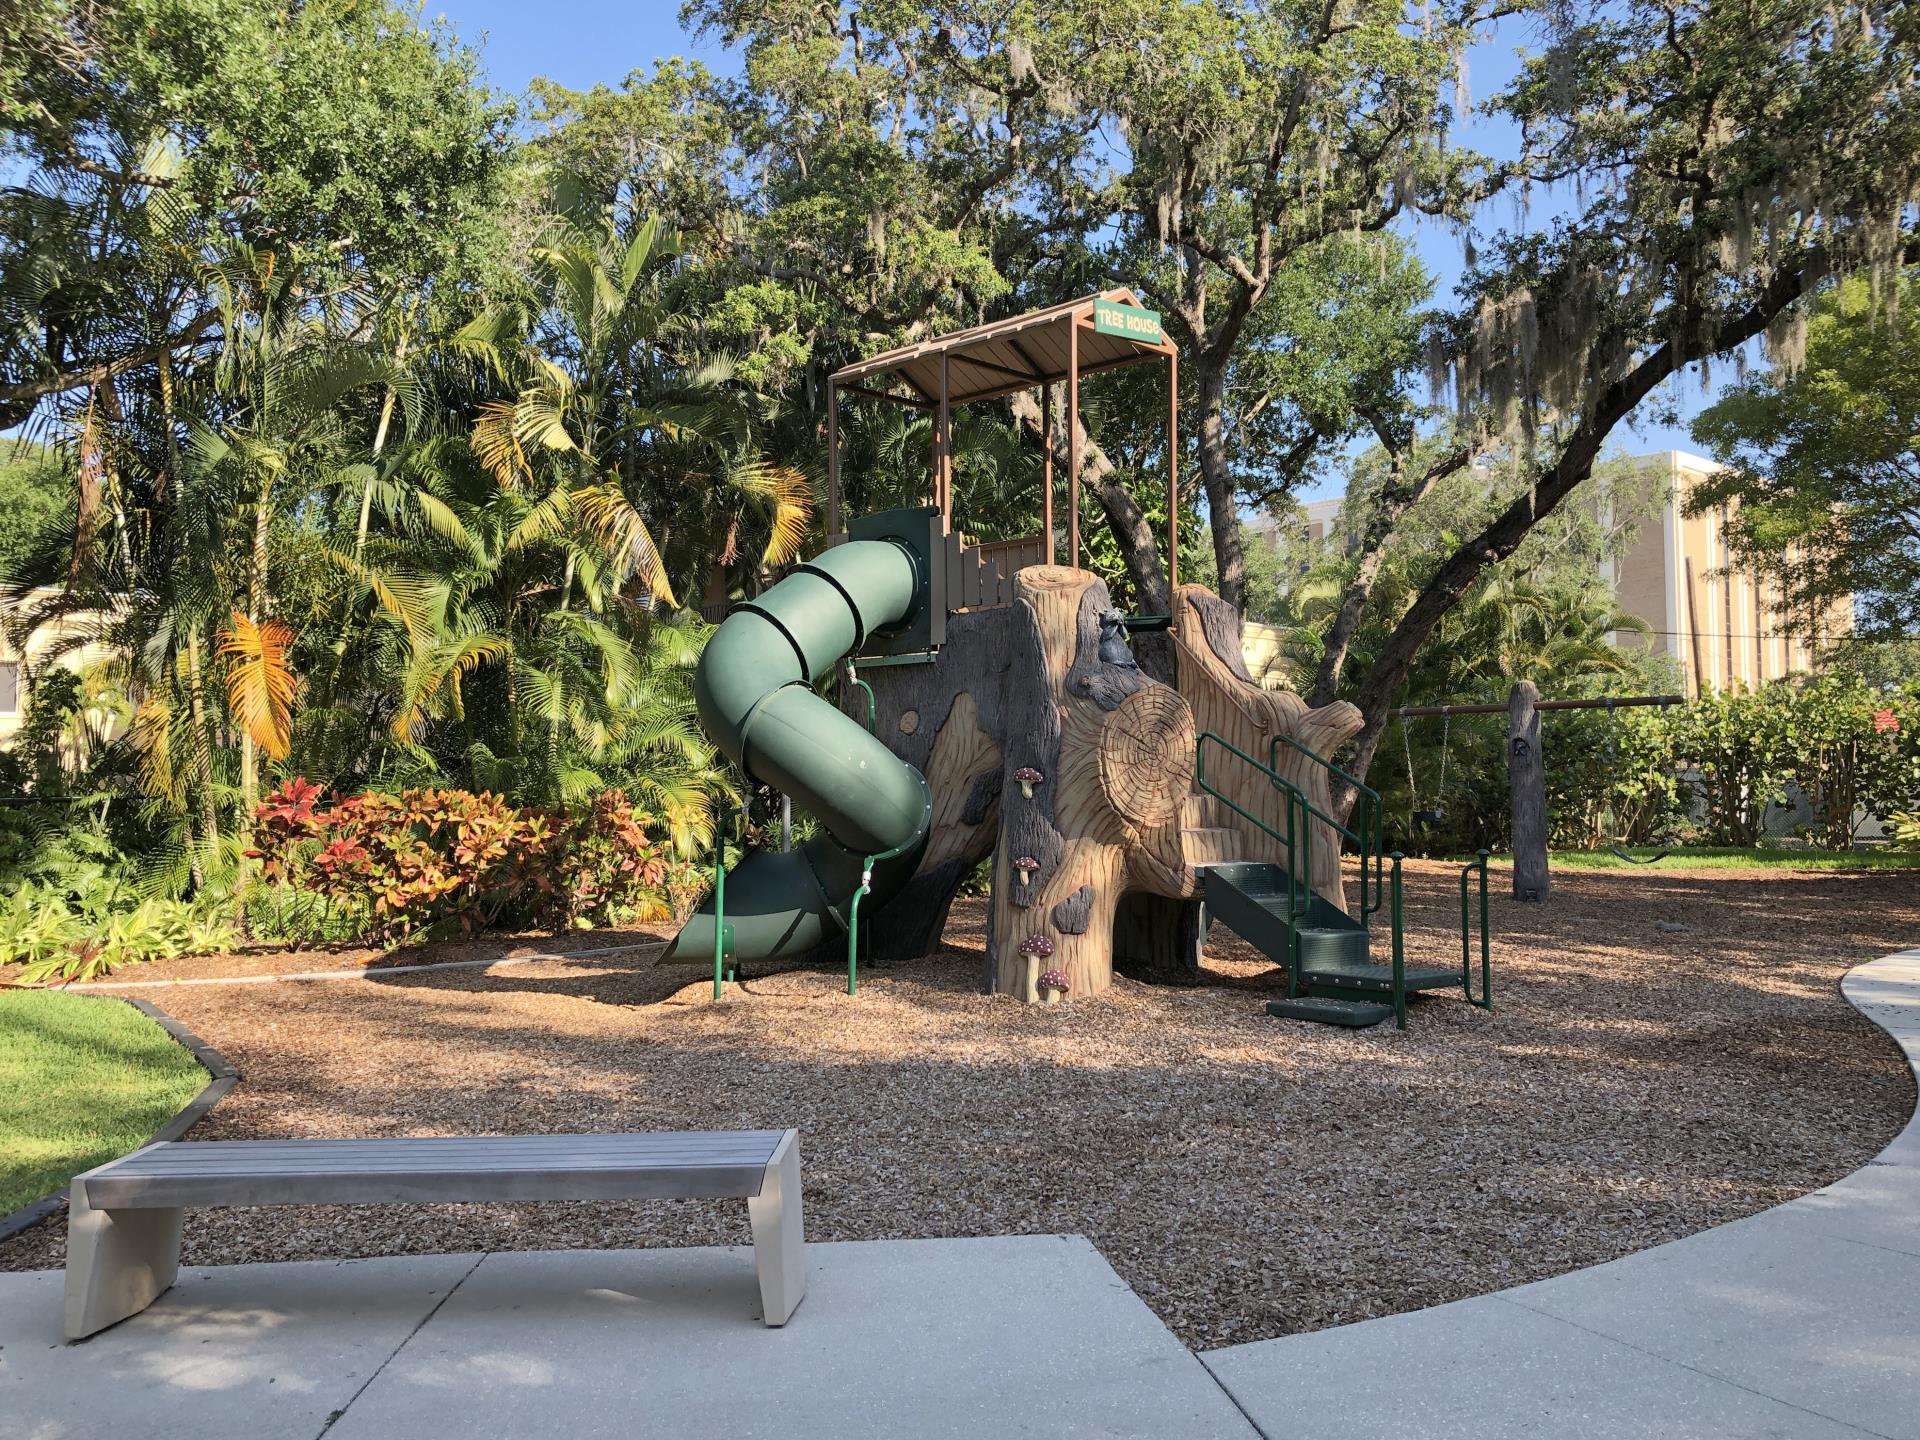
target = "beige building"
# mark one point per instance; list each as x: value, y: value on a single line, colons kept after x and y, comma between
x: 1722, y: 625
x: 50, y: 643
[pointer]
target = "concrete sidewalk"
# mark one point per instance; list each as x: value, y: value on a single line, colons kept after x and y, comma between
x: 1024, y: 1335
x: 1801, y: 1321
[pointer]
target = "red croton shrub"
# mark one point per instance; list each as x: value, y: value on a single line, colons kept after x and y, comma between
x: 452, y: 862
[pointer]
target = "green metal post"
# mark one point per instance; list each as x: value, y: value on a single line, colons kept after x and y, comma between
x: 1485, y: 1002
x: 720, y: 898
x: 853, y: 928
x: 1399, y: 948
x: 1486, y: 941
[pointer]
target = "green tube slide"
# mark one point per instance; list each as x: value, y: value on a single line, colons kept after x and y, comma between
x: 754, y: 688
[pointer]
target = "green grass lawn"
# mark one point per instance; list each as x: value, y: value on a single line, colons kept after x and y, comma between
x: 81, y: 1081
x: 1712, y: 858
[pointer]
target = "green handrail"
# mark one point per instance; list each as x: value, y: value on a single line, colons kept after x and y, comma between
x: 853, y: 677
x: 866, y: 883
x: 722, y: 931
x: 1369, y: 837
x: 1485, y: 1002
x: 1295, y: 908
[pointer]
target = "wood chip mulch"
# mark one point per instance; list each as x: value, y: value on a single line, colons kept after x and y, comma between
x: 1670, y: 1051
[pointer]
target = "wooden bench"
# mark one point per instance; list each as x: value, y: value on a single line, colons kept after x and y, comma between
x: 123, y: 1223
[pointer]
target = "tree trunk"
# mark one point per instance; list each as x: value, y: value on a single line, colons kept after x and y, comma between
x: 1527, y: 778
x: 1395, y: 500
x: 1216, y: 473
x: 1346, y: 623
x: 1553, y: 484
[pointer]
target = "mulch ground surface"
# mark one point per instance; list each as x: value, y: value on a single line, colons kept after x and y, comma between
x: 1670, y: 1051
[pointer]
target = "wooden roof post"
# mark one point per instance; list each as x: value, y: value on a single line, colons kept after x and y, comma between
x: 1046, y: 471
x: 1173, y: 479
x: 833, y: 459
x: 943, y: 448
x: 1073, y: 440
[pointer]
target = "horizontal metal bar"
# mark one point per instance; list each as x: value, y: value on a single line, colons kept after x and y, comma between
x: 1625, y: 702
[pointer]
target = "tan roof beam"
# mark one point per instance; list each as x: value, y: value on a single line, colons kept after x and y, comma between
x: 1039, y: 371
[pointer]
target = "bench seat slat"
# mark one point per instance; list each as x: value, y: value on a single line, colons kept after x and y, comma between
x: 444, y: 1169
x: 632, y: 1149
x: 488, y: 1160
x: 424, y: 1187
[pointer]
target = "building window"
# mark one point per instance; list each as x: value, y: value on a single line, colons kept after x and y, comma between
x: 9, y: 687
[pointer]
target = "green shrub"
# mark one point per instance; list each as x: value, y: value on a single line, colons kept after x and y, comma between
x: 385, y: 868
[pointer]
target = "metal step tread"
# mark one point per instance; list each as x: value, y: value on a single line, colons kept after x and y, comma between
x: 1329, y: 1011
x: 1370, y: 977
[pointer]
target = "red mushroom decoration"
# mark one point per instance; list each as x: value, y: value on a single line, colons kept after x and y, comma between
x: 1053, y: 985
x: 1036, y: 948
x: 1026, y: 865
x: 1028, y: 778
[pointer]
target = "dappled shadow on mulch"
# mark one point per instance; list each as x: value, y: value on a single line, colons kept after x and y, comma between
x: 1670, y: 1051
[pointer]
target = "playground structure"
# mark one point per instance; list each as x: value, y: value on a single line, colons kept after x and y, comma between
x: 996, y: 711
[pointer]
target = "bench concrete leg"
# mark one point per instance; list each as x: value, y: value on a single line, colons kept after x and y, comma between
x: 779, y: 1243
x: 118, y: 1261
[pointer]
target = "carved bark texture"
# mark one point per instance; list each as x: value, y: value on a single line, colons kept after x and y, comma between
x: 1226, y: 701
x: 1527, y: 778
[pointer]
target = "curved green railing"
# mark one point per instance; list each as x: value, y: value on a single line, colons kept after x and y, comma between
x: 1367, y: 838
x: 1296, y: 907
x: 866, y: 884
x: 1485, y: 1002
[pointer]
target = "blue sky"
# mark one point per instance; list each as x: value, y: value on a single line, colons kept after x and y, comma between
x: 586, y: 42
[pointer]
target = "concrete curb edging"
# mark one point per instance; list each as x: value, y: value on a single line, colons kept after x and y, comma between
x: 222, y: 1077
x: 1799, y: 1320
x: 374, y: 973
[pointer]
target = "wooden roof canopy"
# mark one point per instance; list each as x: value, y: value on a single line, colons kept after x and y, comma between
x: 1041, y: 348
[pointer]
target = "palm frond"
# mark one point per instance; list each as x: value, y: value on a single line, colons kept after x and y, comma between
x: 618, y: 525
x: 260, y: 684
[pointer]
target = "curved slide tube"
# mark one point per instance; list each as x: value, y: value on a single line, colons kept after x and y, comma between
x: 754, y: 688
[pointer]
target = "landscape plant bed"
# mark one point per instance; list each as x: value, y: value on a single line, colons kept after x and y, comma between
x: 1669, y: 1052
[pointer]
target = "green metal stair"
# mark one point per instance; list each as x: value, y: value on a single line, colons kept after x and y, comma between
x: 1331, y: 976
x: 1324, y: 949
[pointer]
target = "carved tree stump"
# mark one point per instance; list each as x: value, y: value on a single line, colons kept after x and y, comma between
x: 1113, y: 751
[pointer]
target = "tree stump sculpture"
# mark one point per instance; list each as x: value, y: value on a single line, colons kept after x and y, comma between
x: 1048, y: 748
